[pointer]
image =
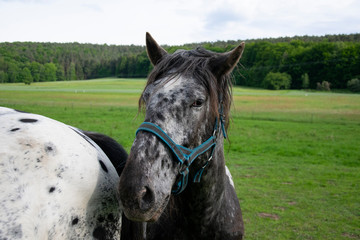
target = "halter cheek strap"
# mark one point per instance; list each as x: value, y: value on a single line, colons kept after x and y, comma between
x: 185, y: 156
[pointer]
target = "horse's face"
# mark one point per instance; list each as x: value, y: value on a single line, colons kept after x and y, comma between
x: 183, y: 107
x: 180, y: 108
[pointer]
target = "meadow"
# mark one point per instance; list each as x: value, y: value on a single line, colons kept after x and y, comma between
x: 294, y: 155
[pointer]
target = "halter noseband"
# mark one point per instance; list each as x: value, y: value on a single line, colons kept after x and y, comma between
x: 184, y: 155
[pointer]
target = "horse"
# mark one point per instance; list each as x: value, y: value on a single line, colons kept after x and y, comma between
x: 58, y: 182
x: 175, y: 179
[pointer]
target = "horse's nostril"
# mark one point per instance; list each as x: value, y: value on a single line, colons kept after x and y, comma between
x: 146, y: 198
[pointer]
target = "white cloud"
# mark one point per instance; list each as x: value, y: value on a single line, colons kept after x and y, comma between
x: 172, y: 21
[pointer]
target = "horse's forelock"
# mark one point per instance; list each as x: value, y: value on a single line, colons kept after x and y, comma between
x: 195, y: 64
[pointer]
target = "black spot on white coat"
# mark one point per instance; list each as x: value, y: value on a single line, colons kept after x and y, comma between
x: 28, y: 120
x: 50, y: 148
x: 103, y: 166
x: 52, y: 189
x: 75, y: 221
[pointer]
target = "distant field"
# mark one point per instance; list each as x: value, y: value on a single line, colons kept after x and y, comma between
x: 294, y: 155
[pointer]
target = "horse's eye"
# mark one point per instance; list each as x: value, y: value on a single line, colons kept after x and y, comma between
x: 198, y: 103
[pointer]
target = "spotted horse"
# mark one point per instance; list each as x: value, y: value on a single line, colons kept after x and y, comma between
x: 175, y: 178
x: 56, y: 182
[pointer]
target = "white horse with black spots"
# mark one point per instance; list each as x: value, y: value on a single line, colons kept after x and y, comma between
x: 55, y: 181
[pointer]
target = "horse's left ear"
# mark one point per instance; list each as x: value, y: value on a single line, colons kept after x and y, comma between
x: 226, y: 62
x: 154, y: 51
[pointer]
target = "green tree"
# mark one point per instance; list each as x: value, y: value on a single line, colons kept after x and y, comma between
x: 3, y: 77
x: 13, y: 72
x: 72, y: 72
x: 305, y: 81
x: 277, y: 80
x: 35, y: 69
x: 60, y: 75
x: 43, y: 77
x: 25, y: 76
x: 142, y: 65
x: 79, y: 71
x: 122, y: 68
x: 50, y: 71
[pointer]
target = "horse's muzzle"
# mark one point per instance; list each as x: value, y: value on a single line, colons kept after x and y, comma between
x: 137, y: 202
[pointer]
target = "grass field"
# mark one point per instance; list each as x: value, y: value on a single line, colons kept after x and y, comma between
x: 294, y: 155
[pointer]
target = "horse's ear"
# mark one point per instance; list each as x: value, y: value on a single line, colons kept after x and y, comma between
x: 226, y: 62
x: 154, y: 51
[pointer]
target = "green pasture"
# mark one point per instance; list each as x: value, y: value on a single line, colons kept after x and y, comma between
x: 294, y: 155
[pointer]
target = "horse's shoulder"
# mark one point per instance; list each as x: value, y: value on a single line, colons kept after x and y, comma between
x: 230, y: 214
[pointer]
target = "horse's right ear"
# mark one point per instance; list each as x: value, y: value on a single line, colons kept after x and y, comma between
x: 154, y: 51
x: 225, y: 63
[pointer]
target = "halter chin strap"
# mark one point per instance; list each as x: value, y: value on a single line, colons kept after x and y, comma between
x: 185, y: 156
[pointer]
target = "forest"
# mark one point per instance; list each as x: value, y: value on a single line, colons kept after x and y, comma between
x: 300, y: 62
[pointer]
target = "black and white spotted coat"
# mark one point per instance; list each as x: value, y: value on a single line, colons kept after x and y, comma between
x: 55, y: 183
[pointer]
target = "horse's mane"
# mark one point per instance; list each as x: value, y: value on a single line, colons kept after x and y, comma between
x: 195, y: 64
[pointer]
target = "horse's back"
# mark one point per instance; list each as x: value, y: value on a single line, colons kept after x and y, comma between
x: 55, y: 183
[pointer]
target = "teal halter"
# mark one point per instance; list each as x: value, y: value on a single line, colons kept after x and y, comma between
x: 184, y: 155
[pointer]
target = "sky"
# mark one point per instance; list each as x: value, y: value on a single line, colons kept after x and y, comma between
x: 172, y: 22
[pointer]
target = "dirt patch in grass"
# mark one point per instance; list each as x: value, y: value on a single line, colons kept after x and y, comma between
x: 269, y: 215
x: 351, y: 235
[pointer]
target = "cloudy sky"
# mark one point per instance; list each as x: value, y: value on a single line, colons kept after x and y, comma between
x: 172, y: 22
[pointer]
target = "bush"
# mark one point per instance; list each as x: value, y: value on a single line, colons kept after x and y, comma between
x: 324, y: 86
x: 277, y: 80
x: 354, y: 85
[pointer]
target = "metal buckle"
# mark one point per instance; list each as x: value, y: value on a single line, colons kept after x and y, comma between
x: 215, y: 130
x: 183, y: 168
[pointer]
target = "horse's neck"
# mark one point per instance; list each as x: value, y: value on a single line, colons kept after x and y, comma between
x: 205, y: 210
x: 203, y: 200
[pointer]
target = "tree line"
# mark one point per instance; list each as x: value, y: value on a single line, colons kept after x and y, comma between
x: 38, y: 62
x: 306, y: 63
x: 275, y: 63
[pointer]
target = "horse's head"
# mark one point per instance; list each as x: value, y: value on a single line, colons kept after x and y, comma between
x: 182, y: 99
